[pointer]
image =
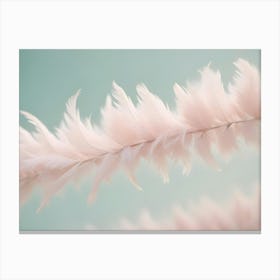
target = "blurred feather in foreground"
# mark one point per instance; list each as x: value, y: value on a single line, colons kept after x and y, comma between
x: 240, y: 212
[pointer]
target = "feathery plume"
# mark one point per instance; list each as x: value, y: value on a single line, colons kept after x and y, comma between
x: 205, y: 116
x: 240, y: 212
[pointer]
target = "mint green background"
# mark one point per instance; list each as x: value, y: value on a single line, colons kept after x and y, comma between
x: 49, y: 77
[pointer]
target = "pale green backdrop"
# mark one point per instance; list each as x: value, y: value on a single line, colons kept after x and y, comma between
x: 49, y: 77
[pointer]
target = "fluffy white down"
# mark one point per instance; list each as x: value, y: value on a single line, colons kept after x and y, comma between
x: 205, y: 116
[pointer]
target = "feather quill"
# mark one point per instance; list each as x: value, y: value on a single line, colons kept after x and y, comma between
x: 206, y: 115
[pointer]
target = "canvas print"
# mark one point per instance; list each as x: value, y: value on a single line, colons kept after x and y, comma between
x: 139, y: 141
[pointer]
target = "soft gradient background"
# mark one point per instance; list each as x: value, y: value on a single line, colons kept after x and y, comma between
x: 49, y: 77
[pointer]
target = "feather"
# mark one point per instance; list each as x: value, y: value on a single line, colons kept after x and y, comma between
x: 240, y: 212
x: 206, y: 116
